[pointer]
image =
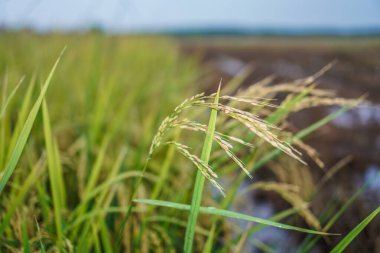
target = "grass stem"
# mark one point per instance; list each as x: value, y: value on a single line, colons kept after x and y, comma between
x: 200, y: 179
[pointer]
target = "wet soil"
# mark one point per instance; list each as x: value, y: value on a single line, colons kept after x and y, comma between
x: 357, y: 133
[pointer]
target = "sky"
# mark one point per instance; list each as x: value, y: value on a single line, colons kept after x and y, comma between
x: 153, y: 15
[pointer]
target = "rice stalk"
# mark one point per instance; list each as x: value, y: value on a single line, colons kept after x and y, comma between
x: 55, y: 178
x: 199, y: 181
x: 255, y: 124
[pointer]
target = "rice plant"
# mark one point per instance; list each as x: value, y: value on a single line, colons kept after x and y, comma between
x: 91, y: 163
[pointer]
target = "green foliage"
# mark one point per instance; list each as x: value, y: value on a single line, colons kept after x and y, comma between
x: 354, y: 232
x: 101, y: 140
x: 229, y: 214
x: 200, y: 179
x: 101, y: 110
x: 23, y: 137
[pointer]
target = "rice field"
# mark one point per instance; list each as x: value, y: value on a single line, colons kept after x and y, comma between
x: 122, y: 144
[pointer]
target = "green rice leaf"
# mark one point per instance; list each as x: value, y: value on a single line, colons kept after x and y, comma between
x: 27, y: 128
x: 25, y: 237
x: 8, y: 100
x: 200, y: 179
x: 54, y: 175
x: 229, y: 214
x: 352, y: 235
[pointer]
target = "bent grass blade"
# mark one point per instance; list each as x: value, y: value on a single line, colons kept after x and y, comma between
x: 229, y: 214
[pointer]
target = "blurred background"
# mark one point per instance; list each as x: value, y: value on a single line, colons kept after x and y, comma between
x: 285, y: 39
x: 337, y: 17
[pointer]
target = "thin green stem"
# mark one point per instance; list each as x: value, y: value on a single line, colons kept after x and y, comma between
x: 200, y: 179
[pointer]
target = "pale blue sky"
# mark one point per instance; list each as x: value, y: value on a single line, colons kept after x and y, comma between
x: 134, y: 15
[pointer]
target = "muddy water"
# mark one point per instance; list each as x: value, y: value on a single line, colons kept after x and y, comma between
x: 356, y: 133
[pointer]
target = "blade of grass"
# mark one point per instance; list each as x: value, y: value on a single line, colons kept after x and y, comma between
x: 53, y: 175
x: 25, y: 132
x: 25, y: 237
x: 8, y: 100
x: 175, y: 221
x: 43, y: 200
x: 229, y: 214
x: 200, y: 179
x: 22, y: 115
x: 352, y: 235
x: 105, y: 236
x: 91, y: 182
x: 3, y: 123
x: 59, y: 172
x: 103, y: 200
